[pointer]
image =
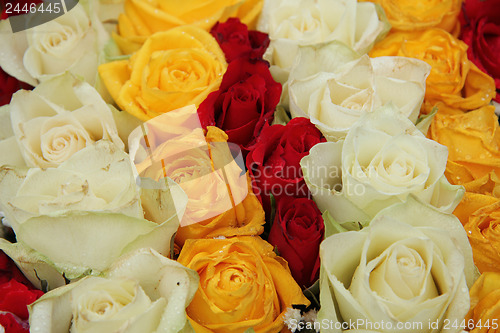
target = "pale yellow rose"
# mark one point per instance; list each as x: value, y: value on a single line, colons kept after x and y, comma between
x: 410, y: 267
x: 382, y: 161
x: 291, y: 23
x: 333, y: 87
x: 455, y: 84
x: 92, y: 195
x: 142, y: 292
x: 54, y: 121
x: 69, y: 43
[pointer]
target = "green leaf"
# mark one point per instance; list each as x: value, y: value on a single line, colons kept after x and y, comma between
x: 312, y: 293
x: 80, y: 243
x: 331, y: 226
x: 425, y: 121
x: 36, y: 267
x: 281, y: 117
x: 112, y: 52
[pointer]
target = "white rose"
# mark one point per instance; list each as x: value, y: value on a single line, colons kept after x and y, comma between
x: 333, y: 86
x: 383, y: 159
x: 291, y: 23
x: 411, y: 267
x: 71, y: 42
x: 142, y: 292
x: 84, y: 214
x: 55, y: 120
x: 9, y: 149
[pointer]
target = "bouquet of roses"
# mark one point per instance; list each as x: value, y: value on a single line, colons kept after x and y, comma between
x: 250, y: 166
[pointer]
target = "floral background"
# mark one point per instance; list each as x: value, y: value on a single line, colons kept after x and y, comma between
x: 250, y: 166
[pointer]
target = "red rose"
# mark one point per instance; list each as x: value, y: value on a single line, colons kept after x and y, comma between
x: 274, y: 160
x: 15, y: 296
x: 8, y: 86
x: 245, y: 101
x: 236, y: 41
x: 16, y: 292
x: 297, y: 231
x: 481, y: 31
x: 12, y: 324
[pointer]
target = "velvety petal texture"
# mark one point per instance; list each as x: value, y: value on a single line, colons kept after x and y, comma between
x: 243, y: 285
x: 412, y: 264
x: 173, y: 69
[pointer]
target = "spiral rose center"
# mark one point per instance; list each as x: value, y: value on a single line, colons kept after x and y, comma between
x: 96, y: 305
x: 55, y: 39
x: 59, y: 143
x: 178, y: 70
x: 293, y: 26
x: 403, y: 274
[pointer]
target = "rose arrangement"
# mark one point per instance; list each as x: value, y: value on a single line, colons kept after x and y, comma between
x: 165, y: 166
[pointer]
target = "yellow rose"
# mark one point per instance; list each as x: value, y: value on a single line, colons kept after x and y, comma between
x: 143, y: 18
x: 411, y: 15
x: 480, y: 216
x: 172, y: 69
x: 485, y: 304
x: 220, y: 199
x: 243, y: 284
x: 454, y: 82
x: 246, y: 218
x: 473, y: 141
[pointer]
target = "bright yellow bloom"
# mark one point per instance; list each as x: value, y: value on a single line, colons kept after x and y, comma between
x: 143, y: 18
x: 243, y: 284
x: 173, y: 69
x: 485, y: 304
x: 412, y: 15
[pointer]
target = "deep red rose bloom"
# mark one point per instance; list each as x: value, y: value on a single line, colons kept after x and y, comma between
x: 8, y: 86
x: 16, y: 292
x: 11, y: 324
x: 245, y: 101
x: 481, y: 31
x: 15, y: 296
x: 297, y: 231
x: 236, y: 41
x: 274, y: 160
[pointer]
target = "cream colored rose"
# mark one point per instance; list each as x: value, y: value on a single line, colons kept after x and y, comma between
x: 333, y: 86
x: 142, y: 292
x: 9, y: 149
x: 82, y: 215
x: 383, y: 159
x: 71, y: 42
x: 291, y: 23
x: 57, y: 119
x: 410, y: 267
